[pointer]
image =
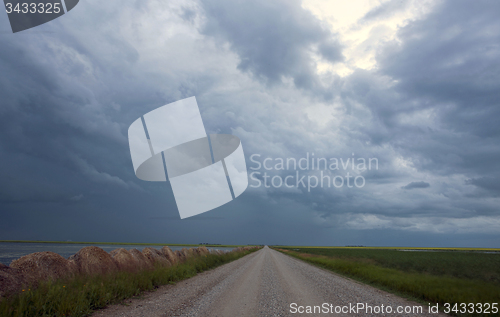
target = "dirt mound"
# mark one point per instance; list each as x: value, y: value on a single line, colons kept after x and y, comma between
x: 74, y: 267
x: 217, y: 252
x: 93, y: 260
x: 170, y: 255
x: 185, y: 252
x: 181, y: 256
x: 125, y: 260
x: 190, y: 252
x: 156, y: 257
x: 144, y: 263
x: 10, y: 281
x: 203, y: 250
x: 43, y: 266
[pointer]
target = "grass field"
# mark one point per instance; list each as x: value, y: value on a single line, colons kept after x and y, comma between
x: 438, y: 277
x: 80, y: 296
x: 394, y: 248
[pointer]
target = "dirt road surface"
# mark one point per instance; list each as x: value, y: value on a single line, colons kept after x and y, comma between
x: 265, y: 283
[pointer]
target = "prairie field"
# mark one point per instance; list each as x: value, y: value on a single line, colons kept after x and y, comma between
x: 427, y: 275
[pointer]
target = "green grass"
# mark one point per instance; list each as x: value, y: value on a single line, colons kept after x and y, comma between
x: 437, y: 277
x: 469, y: 265
x: 389, y: 248
x: 80, y: 296
x: 122, y: 243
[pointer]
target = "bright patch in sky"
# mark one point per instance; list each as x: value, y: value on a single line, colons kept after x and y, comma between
x: 362, y: 29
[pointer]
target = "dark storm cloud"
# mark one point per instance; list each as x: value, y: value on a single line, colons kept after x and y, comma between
x: 272, y: 38
x: 427, y: 111
x: 51, y: 127
x: 414, y: 185
x: 434, y: 100
x: 449, y: 61
x: 443, y: 109
x: 488, y: 183
x: 67, y: 101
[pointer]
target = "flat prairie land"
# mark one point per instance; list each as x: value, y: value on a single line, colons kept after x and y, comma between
x: 460, y: 263
x: 436, y: 275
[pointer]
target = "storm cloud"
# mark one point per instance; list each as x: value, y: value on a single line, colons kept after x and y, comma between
x: 267, y: 72
x: 273, y: 39
x: 413, y: 185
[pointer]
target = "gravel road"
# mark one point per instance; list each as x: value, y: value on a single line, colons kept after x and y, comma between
x: 264, y: 283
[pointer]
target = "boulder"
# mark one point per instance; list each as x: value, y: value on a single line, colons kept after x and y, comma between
x: 93, y: 260
x: 156, y: 257
x: 40, y: 266
x: 125, y: 260
x: 144, y: 263
x: 170, y: 255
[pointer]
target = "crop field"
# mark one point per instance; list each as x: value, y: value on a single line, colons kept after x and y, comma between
x: 461, y: 264
x: 434, y: 275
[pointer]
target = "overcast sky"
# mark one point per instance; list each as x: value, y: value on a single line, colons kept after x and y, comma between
x: 414, y: 84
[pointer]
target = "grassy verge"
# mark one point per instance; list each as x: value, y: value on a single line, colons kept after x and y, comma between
x: 422, y: 278
x: 80, y: 296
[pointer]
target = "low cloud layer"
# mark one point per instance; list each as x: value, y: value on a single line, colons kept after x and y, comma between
x: 413, y: 185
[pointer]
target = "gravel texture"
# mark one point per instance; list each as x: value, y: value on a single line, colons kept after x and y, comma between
x: 264, y: 283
